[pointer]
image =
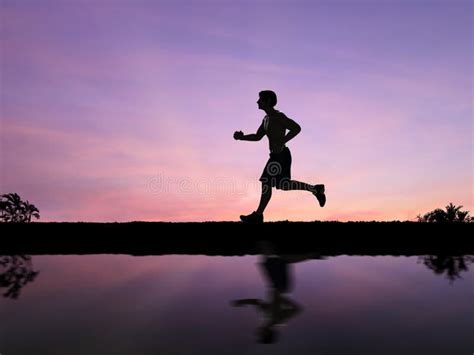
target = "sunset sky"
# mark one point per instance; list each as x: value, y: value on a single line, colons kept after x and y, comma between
x: 125, y: 110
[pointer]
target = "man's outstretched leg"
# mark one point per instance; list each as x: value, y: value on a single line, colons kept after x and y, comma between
x: 257, y: 216
x: 316, y: 190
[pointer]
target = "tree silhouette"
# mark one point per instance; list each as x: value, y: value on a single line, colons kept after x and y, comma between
x: 13, y: 209
x: 15, y: 272
x: 452, y: 213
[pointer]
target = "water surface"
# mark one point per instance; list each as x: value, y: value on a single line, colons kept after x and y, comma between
x: 181, y: 304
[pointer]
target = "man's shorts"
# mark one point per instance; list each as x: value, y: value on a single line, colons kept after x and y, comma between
x: 277, y: 171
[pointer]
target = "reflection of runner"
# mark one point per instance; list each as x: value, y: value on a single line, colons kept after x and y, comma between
x: 279, y: 308
x: 277, y: 171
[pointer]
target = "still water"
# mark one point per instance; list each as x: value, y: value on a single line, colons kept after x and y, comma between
x: 182, y: 304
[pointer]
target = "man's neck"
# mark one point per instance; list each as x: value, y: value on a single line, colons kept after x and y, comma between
x: 270, y: 111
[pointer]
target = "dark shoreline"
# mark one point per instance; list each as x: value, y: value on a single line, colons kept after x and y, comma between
x: 232, y: 238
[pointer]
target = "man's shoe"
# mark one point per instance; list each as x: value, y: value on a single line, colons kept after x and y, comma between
x: 254, y: 217
x: 319, y: 193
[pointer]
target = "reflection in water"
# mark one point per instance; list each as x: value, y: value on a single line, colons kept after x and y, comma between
x: 278, y: 308
x: 15, y: 272
x: 452, y: 266
x: 120, y: 304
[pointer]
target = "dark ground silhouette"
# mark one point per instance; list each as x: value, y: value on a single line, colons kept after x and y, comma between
x: 235, y: 238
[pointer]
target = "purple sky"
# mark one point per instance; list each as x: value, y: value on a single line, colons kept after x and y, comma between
x: 125, y: 110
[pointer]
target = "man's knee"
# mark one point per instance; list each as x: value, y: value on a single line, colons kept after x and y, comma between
x: 284, y: 185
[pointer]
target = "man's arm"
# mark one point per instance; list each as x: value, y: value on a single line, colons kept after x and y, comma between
x: 250, y: 137
x: 293, y: 128
x: 246, y: 301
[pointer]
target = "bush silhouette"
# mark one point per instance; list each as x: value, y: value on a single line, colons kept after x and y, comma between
x: 13, y: 209
x: 452, y: 213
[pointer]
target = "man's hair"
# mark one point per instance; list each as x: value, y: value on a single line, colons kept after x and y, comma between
x: 268, y: 95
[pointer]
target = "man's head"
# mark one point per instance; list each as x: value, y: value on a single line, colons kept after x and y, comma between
x: 267, y: 99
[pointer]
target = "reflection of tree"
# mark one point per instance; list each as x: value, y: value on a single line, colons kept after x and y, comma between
x: 15, y: 272
x: 452, y: 266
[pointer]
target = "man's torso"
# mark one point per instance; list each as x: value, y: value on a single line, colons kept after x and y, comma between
x: 275, y: 130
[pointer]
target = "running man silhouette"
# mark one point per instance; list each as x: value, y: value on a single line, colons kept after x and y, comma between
x: 277, y: 171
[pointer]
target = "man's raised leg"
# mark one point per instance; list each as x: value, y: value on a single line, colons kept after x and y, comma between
x: 316, y: 190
